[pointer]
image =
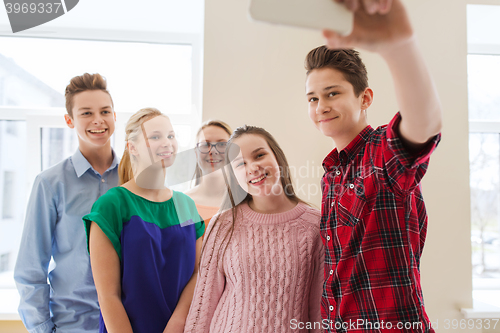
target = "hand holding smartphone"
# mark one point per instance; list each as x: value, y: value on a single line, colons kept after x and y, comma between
x: 315, y: 14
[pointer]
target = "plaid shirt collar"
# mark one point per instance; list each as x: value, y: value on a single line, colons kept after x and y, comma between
x: 347, y: 154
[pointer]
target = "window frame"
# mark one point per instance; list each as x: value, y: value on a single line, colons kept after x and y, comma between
x: 152, y: 37
x: 36, y: 118
x: 484, y: 126
x: 32, y: 115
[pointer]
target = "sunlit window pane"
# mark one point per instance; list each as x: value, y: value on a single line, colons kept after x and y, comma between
x: 33, y: 75
x: 139, y: 74
x: 12, y: 192
x: 484, y: 97
x: 484, y: 153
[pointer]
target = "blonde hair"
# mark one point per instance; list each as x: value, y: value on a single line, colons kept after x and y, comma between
x: 132, y: 131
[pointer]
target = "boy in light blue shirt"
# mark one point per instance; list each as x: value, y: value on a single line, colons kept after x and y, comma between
x: 64, y: 299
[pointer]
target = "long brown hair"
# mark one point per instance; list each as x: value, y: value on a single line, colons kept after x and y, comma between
x: 132, y: 130
x: 236, y: 195
x: 215, y: 123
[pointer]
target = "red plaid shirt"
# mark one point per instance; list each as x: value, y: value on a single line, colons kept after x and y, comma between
x: 373, y: 225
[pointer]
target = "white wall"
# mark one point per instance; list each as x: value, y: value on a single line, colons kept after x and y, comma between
x: 254, y: 74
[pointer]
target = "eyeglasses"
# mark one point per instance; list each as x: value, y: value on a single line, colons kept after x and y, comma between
x: 205, y: 147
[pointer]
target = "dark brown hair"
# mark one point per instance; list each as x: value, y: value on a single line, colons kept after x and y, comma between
x: 345, y: 61
x: 82, y: 83
x: 235, y: 194
x: 216, y: 123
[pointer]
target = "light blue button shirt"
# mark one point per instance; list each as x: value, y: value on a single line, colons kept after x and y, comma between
x: 61, y: 196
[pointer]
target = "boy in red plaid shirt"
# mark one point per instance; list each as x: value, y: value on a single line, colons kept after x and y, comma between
x: 374, y: 220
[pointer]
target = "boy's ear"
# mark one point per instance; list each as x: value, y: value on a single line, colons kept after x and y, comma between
x: 69, y: 121
x: 367, y: 98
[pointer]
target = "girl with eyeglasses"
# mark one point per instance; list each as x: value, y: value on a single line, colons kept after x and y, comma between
x: 209, y: 189
x: 261, y: 265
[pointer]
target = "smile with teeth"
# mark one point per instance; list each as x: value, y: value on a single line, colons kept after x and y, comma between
x: 165, y: 154
x: 256, y: 180
x: 214, y: 161
x: 100, y: 131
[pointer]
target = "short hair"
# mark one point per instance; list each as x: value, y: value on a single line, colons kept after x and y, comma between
x: 82, y: 83
x: 345, y: 61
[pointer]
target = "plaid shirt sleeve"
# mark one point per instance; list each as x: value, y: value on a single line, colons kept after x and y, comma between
x: 404, y: 170
x: 374, y: 226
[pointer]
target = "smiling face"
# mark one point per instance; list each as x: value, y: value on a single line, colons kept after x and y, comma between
x: 256, y: 167
x: 155, y: 143
x: 333, y: 107
x: 213, y: 159
x: 93, y: 118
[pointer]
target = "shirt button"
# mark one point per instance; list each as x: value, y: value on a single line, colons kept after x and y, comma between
x: 327, y: 237
x: 337, y: 172
x: 331, y: 307
x: 331, y: 272
x: 103, y: 181
x: 351, y: 186
x: 332, y: 204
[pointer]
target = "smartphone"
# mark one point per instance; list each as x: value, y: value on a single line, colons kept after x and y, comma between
x: 315, y: 14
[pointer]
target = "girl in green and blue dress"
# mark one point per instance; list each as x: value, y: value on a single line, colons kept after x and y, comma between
x: 144, y: 239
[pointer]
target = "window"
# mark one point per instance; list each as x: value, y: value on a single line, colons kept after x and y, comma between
x: 484, y: 151
x: 57, y: 144
x: 8, y: 194
x: 12, y: 191
x: 139, y: 74
x: 4, y: 262
x: 483, y: 67
x: 151, y: 55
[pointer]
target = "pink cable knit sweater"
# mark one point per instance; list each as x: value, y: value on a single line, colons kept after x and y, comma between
x: 270, y: 278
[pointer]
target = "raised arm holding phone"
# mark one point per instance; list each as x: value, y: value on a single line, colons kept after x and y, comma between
x: 383, y: 26
x: 374, y: 222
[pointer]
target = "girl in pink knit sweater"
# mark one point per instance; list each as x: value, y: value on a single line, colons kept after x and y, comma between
x: 262, y: 260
